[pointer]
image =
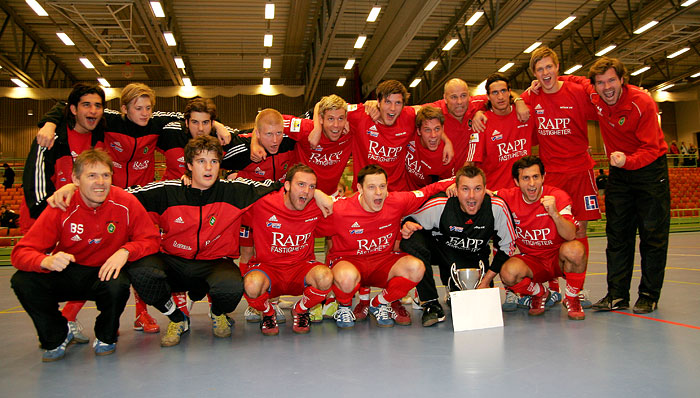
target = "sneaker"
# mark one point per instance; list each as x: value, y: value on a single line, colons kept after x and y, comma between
x: 58, y: 352
x: 221, y: 325
x: 584, y: 298
x: 399, y: 313
x: 407, y: 299
x: 145, y: 322
x: 432, y: 313
x: 175, y: 330
x: 284, y: 304
x: 101, y: 348
x: 608, y: 303
x: 329, y: 309
x: 511, y: 303
x: 554, y: 297
x: 280, y: 317
x: 252, y: 315
x: 301, y: 322
x: 316, y: 313
x: 524, y: 302
x: 537, y: 304
x: 77, y: 329
x: 361, y: 310
x: 344, y: 317
x: 573, y: 306
x: 268, y: 325
x: 383, y: 315
x: 644, y: 305
x: 415, y: 303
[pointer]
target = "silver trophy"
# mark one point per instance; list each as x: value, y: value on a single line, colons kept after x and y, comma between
x: 467, y: 278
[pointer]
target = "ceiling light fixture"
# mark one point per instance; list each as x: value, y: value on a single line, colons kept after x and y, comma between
x: 565, y: 22
x: 605, y: 50
x: 646, y: 27
x: 157, y: 9
x: 179, y: 62
x: 38, y: 9
x: 65, y: 39
x: 666, y: 87
x: 373, y: 14
x: 506, y: 67
x: 360, y: 41
x: 267, y: 41
x: 267, y: 63
x: 449, y: 45
x: 349, y: 64
x: 679, y: 52
x: 170, y: 39
x: 270, y: 11
x: 19, y: 82
x: 266, y: 82
x: 341, y: 82
x: 640, y: 71
x: 430, y: 65
x: 532, y: 47
x: 86, y: 62
x: 573, y: 69
x: 695, y: 75
x: 471, y: 21
x: 103, y: 82
x: 187, y: 82
x: 689, y: 3
x: 415, y: 82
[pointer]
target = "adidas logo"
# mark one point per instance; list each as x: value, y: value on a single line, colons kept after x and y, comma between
x: 273, y: 218
x: 179, y: 220
x: 538, y: 106
x: 355, y: 225
x: 76, y: 238
x: 495, y: 132
x: 181, y: 159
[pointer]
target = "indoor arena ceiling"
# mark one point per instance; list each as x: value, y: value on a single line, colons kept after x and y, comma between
x: 221, y: 42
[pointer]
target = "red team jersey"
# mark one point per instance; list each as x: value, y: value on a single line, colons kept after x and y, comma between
x: 355, y: 231
x: 422, y: 164
x: 536, y: 233
x: 562, y: 128
x: 463, y: 138
x: 505, y: 140
x: 283, y: 237
x: 380, y: 144
x: 327, y: 159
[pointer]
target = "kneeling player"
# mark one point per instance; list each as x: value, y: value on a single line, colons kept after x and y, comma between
x: 363, y: 229
x: 283, y: 232
x: 546, y: 237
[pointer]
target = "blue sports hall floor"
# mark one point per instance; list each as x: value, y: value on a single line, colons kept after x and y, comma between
x: 616, y: 354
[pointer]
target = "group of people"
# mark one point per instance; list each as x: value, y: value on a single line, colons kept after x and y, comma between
x: 435, y: 184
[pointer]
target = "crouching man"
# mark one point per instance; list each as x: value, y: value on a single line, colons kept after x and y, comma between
x: 89, y: 244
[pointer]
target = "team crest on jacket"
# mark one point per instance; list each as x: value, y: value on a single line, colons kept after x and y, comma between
x: 621, y: 121
x: 145, y: 150
x: 212, y: 220
x: 111, y: 227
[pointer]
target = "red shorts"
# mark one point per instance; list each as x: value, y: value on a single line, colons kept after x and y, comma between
x: 543, y: 268
x: 581, y: 188
x: 285, y: 279
x: 374, y: 268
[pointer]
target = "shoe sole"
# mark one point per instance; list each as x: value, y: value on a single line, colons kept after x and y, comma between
x: 53, y: 359
x: 222, y: 336
x: 346, y: 327
x: 101, y: 354
x: 576, y: 317
x: 301, y: 331
x: 271, y: 333
x: 640, y: 311
x: 608, y: 309
x: 141, y: 329
x: 252, y: 320
x: 432, y: 322
x: 374, y: 320
x: 176, y: 343
x: 403, y: 323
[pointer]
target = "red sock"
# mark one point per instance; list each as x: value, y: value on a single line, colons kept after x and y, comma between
x: 574, y: 283
x: 554, y: 285
x: 180, y: 299
x: 243, y: 267
x: 261, y: 304
x: 344, y: 299
x: 527, y: 287
x: 397, y: 288
x: 364, y: 293
x: 209, y: 299
x: 584, y: 240
x: 139, y: 305
x: 71, y: 309
x: 311, y: 297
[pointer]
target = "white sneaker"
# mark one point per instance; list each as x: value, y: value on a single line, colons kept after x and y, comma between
x: 252, y: 315
x: 77, y: 329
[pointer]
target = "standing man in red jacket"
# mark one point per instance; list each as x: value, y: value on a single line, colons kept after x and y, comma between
x: 90, y: 243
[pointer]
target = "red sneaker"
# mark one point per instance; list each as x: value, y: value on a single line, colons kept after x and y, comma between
x: 268, y: 325
x: 537, y: 304
x: 400, y: 315
x: 144, y: 321
x: 573, y: 305
x: 301, y: 322
x: 361, y: 310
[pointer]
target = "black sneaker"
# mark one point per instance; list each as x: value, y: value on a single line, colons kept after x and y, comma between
x: 644, y: 305
x: 608, y: 303
x: 432, y: 313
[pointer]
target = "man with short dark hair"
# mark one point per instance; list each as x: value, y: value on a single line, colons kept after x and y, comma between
x: 424, y: 154
x: 455, y: 233
x: 546, y: 237
x: 90, y: 243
